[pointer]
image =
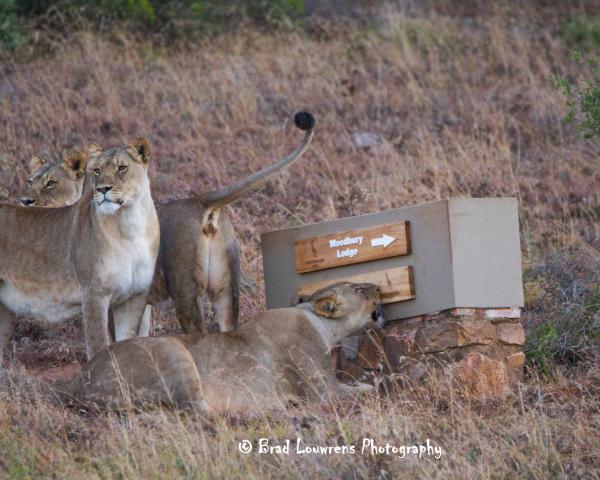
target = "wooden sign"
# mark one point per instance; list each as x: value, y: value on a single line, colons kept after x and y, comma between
x: 458, y: 253
x: 395, y: 284
x: 352, y: 246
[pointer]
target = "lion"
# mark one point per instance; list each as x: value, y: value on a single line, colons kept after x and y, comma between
x: 55, y: 184
x: 279, y: 356
x: 199, y: 252
x: 97, y: 254
x: 60, y: 184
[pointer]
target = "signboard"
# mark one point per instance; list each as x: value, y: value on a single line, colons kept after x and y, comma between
x: 395, y: 285
x: 458, y: 253
x: 352, y: 246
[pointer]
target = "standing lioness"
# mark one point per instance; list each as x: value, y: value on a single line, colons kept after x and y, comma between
x: 96, y: 254
x: 278, y: 356
x: 199, y: 252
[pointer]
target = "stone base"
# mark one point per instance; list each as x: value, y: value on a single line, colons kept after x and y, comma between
x: 482, y: 349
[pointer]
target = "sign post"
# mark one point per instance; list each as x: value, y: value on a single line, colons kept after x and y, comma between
x: 458, y: 253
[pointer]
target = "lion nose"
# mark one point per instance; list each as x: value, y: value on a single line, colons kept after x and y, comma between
x: 104, y: 190
x: 27, y: 201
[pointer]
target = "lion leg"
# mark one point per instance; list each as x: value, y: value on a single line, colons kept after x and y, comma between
x: 345, y: 391
x: 187, y: 287
x: 224, y: 278
x: 95, y: 322
x: 328, y: 385
x: 146, y: 323
x: 189, y: 312
x: 7, y: 326
x: 225, y: 304
x: 129, y: 316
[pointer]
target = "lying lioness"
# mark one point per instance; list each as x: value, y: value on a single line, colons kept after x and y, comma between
x: 279, y: 356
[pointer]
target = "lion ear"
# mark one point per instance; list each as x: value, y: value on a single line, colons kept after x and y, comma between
x: 297, y: 299
x: 139, y: 148
x: 75, y: 162
x: 328, y: 306
x: 91, y: 151
x: 36, y: 162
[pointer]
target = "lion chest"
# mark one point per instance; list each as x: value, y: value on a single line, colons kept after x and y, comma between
x: 130, y: 269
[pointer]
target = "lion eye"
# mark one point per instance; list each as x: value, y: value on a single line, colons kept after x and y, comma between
x: 96, y: 171
x: 50, y: 184
x: 122, y: 168
x: 30, y: 182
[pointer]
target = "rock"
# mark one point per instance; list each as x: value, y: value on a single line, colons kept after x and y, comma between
x: 475, y: 332
x: 366, y: 140
x: 442, y: 334
x: 483, y: 351
x: 400, y: 342
x: 481, y: 376
x: 514, y: 367
x: 371, y: 351
x: 350, y: 347
x: 510, y: 333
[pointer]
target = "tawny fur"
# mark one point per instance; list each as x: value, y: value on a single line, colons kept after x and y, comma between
x: 279, y: 356
x: 199, y: 253
x: 92, y: 256
x: 60, y: 184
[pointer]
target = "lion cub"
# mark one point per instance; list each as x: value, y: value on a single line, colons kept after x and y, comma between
x: 279, y: 356
x: 95, y: 255
x: 199, y: 252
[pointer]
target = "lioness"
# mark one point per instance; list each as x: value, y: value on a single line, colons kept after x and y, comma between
x: 278, y: 356
x: 55, y: 184
x: 199, y: 251
x: 96, y: 254
x: 59, y: 184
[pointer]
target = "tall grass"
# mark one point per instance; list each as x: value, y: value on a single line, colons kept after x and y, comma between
x: 541, y: 431
x: 462, y: 104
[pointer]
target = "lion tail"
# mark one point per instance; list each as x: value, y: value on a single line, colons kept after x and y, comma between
x: 226, y: 195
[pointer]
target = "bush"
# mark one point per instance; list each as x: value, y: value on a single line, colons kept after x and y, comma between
x: 568, y: 309
x: 582, y: 32
x: 12, y: 35
x: 583, y: 97
x: 175, y: 18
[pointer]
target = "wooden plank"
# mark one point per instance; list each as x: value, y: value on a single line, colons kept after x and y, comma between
x: 396, y: 284
x: 352, y: 246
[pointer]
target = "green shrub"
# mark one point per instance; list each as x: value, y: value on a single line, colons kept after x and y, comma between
x: 173, y: 18
x: 583, y: 97
x: 12, y: 34
x: 582, y: 32
x: 568, y: 310
x: 150, y: 11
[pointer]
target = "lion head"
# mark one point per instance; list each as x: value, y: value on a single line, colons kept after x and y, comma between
x: 120, y: 175
x: 55, y: 184
x: 351, y: 305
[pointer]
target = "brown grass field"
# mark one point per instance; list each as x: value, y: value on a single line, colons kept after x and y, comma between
x: 463, y: 104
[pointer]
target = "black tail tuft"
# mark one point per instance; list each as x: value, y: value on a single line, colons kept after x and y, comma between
x: 304, y: 120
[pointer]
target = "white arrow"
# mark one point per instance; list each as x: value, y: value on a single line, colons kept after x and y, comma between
x: 383, y: 241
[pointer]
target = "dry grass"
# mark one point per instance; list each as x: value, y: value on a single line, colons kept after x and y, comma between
x: 463, y: 106
x: 542, y: 431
